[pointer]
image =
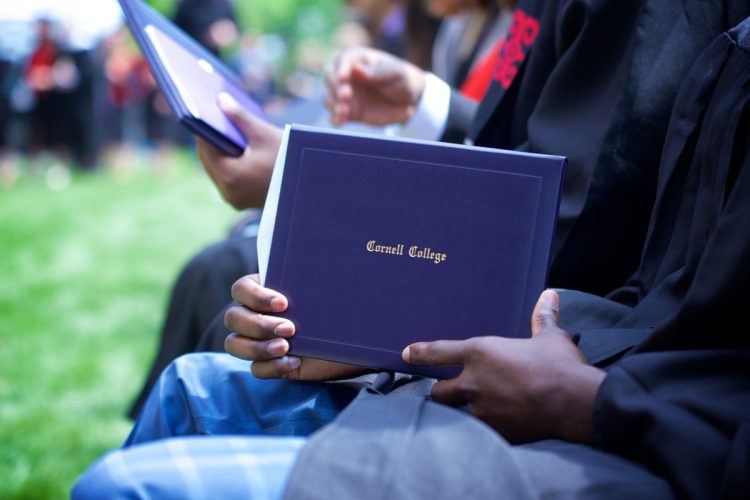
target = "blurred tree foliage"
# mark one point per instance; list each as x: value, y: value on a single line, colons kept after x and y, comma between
x: 296, y: 19
x: 305, y: 26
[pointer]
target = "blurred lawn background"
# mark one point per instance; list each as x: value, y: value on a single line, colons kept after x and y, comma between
x: 85, y: 274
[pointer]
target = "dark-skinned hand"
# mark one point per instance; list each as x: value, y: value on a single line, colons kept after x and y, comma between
x: 262, y: 338
x: 243, y: 182
x: 526, y: 389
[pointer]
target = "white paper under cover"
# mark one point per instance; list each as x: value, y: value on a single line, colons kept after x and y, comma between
x: 268, y: 219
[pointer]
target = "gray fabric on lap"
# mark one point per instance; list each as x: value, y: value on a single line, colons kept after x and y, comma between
x: 399, y: 447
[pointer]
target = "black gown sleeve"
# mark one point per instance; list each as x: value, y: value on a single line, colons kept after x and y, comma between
x: 680, y: 402
x: 684, y: 415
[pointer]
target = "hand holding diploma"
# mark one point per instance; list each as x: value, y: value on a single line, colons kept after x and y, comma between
x: 262, y: 339
x: 527, y: 389
x: 242, y: 182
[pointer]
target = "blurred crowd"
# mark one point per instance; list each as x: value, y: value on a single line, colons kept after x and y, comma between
x: 68, y: 104
x: 76, y: 93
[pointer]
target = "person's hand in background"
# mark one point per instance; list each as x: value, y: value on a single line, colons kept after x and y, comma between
x: 243, y: 182
x: 373, y: 87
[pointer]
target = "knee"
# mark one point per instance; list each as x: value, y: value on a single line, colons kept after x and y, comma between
x: 185, y: 388
x: 198, y: 373
x: 205, y: 365
x: 186, y: 379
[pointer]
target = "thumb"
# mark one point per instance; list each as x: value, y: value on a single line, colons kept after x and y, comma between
x: 243, y: 120
x: 546, y: 312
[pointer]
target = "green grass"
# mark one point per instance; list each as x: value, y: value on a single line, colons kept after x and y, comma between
x: 84, y: 279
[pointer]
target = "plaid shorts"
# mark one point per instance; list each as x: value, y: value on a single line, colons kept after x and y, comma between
x: 205, y: 432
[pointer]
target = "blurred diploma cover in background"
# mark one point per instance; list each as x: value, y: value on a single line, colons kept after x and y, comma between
x: 190, y: 77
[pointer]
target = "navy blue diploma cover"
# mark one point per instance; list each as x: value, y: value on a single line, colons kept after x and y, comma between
x: 380, y: 242
x: 190, y: 77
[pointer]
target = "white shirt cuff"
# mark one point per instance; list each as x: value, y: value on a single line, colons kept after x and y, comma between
x: 429, y: 119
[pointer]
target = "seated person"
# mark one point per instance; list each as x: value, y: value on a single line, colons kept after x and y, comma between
x: 611, y: 127
x: 667, y: 418
x: 468, y: 40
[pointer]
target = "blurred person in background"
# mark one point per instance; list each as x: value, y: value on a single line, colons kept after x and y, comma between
x: 385, y: 22
x: 128, y: 85
x: 77, y: 104
x: 421, y: 29
x: 45, y: 117
x: 255, y: 60
x: 17, y: 40
x: 468, y: 42
x: 61, y: 76
x: 213, y: 23
x: 5, y: 69
x: 53, y: 113
x: 8, y: 171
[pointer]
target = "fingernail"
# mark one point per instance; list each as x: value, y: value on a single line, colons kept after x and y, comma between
x: 284, y: 330
x: 278, y: 303
x: 277, y: 347
x: 227, y: 103
x: 292, y: 362
x: 549, y: 299
x: 406, y: 354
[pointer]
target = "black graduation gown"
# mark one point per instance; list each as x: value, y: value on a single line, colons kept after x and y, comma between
x: 597, y: 86
x: 199, y: 297
x: 680, y: 401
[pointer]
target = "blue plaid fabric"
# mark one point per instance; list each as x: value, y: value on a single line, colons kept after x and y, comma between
x: 217, y: 397
x: 194, y: 468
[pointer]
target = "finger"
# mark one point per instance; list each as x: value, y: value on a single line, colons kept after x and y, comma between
x: 244, y: 121
x: 331, y: 106
x: 240, y: 319
x: 331, y: 86
x: 341, y: 113
x: 209, y: 156
x: 276, y: 368
x: 206, y: 150
x: 449, y: 392
x: 248, y: 292
x: 329, y: 103
x: 334, y: 84
x: 334, y: 105
x: 255, y: 350
x: 440, y: 353
x: 384, y: 73
x: 546, y: 312
x: 343, y: 67
x: 339, y: 110
x: 364, y: 73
